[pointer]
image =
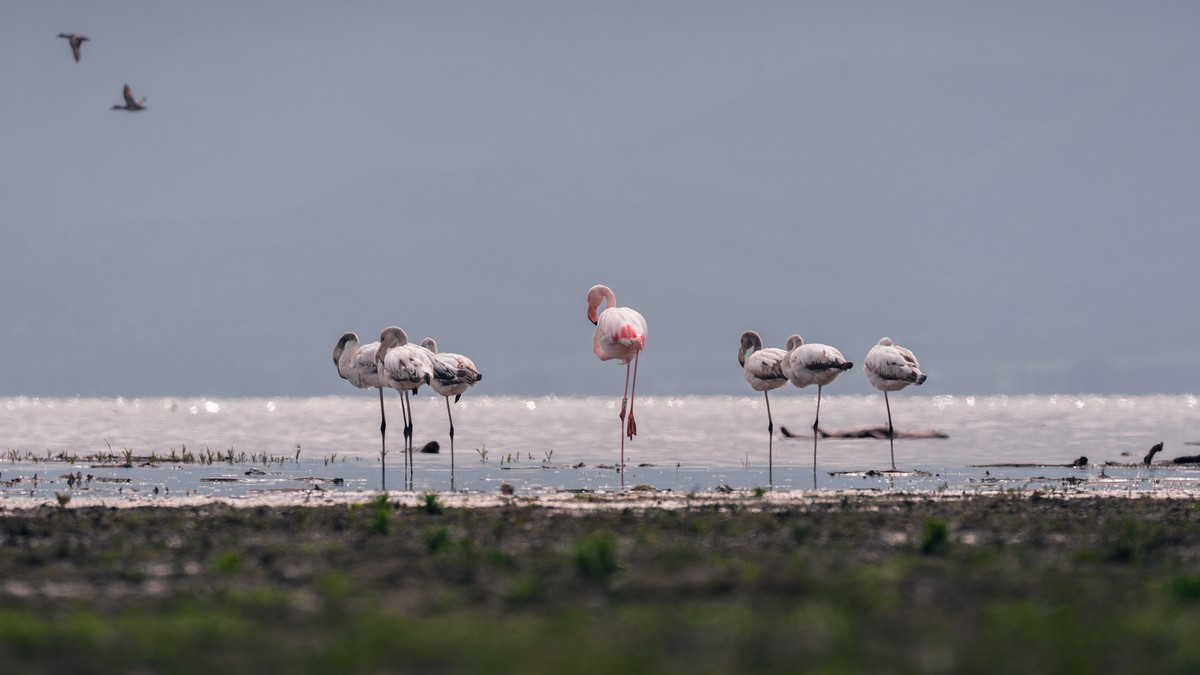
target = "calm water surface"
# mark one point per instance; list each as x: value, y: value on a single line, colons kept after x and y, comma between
x: 548, y: 443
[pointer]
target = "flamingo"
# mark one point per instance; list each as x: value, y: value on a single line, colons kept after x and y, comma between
x: 405, y: 367
x: 620, y: 334
x: 76, y: 42
x: 763, y: 371
x: 890, y: 367
x: 131, y: 104
x: 461, y: 376
x: 356, y: 364
x: 817, y: 364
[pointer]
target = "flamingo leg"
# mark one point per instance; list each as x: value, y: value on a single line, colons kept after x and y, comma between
x: 382, y: 444
x: 411, y: 460
x: 624, y: 401
x: 631, y: 426
x: 816, y: 424
x: 407, y: 436
x: 891, y: 431
x: 770, y: 443
x: 448, y: 414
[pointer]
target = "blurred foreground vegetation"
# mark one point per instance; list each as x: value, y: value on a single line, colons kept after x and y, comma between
x: 1007, y: 584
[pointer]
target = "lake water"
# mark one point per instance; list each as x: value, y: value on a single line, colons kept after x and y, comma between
x: 549, y: 443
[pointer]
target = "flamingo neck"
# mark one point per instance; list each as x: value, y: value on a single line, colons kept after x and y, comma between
x: 346, y: 354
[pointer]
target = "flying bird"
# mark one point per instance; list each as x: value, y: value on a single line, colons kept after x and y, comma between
x: 764, y: 371
x: 890, y: 367
x: 76, y: 42
x: 620, y: 334
x: 460, y: 374
x: 356, y: 364
x: 405, y: 367
x: 813, y: 363
x: 130, y: 104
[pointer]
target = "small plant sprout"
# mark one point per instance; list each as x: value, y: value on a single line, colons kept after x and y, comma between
x: 483, y: 453
x: 432, y: 505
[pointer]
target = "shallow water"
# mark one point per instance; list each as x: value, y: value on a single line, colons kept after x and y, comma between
x: 549, y: 443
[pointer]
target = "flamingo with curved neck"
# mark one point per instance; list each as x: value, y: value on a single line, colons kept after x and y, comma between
x: 763, y: 370
x: 356, y: 364
x: 620, y: 334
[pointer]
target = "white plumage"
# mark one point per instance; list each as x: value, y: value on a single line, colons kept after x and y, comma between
x: 620, y: 331
x: 890, y: 367
x: 460, y: 372
x: 762, y: 366
x: 812, y: 363
x: 356, y: 363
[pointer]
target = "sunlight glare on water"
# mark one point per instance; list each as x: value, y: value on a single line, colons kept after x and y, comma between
x: 713, y: 437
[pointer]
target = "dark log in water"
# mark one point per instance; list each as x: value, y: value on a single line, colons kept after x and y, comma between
x: 868, y: 432
x: 1080, y: 463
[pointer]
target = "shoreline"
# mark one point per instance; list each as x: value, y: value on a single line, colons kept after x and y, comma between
x: 637, y: 497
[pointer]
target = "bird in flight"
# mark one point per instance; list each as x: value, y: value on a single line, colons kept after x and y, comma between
x: 131, y: 104
x: 76, y: 41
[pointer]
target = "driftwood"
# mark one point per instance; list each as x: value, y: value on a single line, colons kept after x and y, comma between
x: 868, y: 432
x: 1148, y: 460
x: 1080, y: 463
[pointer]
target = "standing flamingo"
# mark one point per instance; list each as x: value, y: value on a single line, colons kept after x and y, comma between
x: 356, y: 364
x: 817, y: 364
x: 76, y: 41
x: 459, y: 375
x: 763, y: 371
x: 404, y: 367
x: 620, y: 334
x: 890, y: 367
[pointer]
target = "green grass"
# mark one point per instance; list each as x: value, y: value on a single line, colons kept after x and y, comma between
x: 994, y: 585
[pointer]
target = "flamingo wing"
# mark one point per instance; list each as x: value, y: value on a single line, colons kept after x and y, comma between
x: 764, y: 369
x: 364, y: 366
x: 892, y: 366
x: 620, y: 334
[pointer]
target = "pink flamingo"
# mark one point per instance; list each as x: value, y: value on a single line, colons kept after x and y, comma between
x: 763, y: 370
x: 890, y: 367
x: 621, y: 335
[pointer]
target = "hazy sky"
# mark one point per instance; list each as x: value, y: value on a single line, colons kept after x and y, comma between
x: 1010, y: 189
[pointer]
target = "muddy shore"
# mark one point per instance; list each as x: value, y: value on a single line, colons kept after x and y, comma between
x: 743, y: 582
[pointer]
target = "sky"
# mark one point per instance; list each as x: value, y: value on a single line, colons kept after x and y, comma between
x: 1008, y: 189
